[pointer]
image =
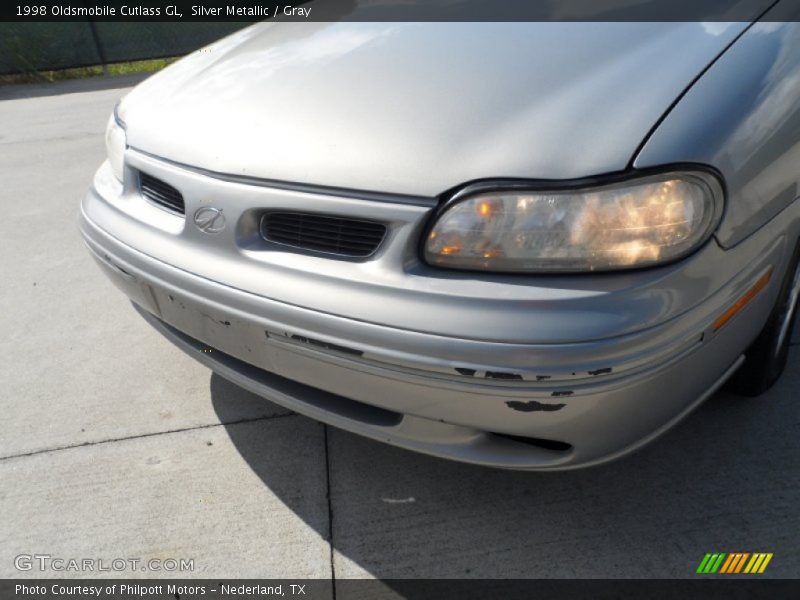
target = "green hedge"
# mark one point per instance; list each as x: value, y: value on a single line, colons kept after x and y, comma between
x: 30, y: 47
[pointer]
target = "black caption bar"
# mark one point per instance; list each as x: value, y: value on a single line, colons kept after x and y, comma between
x: 440, y: 589
x: 36, y: 11
x: 399, y: 10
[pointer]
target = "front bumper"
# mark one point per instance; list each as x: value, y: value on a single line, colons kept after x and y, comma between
x: 505, y: 404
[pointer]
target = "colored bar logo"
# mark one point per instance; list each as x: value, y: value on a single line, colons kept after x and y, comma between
x: 733, y: 563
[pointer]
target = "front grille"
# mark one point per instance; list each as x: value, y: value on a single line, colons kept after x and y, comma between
x: 160, y: 193
x: 323, y: 233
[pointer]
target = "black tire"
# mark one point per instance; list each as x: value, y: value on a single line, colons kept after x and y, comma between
x: 765, y: 359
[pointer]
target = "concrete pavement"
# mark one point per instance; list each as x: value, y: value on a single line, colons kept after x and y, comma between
x: 117, y: 444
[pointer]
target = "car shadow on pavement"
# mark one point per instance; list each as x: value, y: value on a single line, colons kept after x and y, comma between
x: 718, y: 481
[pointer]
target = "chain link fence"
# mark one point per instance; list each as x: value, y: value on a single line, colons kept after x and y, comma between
x: 33, y: 47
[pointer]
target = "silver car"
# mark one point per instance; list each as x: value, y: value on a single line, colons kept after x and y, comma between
x: 525, y: 245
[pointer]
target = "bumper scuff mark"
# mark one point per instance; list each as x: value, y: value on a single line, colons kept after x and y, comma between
x: 602, y: 371
x: 533, y: 406
x: 502, y: 375
x: 489, y: 374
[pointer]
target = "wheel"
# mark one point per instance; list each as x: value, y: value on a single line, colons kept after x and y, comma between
x: 765, y: 359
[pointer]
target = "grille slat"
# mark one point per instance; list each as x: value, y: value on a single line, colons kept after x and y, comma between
x: 323, y: 233
x: 318, y: 240
x: 160, y: 197
x: 326, y: 229
x: 322, y: 240
x: 160, y: 193
x: 153, y: 182
x: 324, y: 222
x: 166, y: 195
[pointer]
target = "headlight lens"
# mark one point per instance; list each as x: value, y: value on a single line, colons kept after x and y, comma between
x: 115, y: 144
x: 637, y: 223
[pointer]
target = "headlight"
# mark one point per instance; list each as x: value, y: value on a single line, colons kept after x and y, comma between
x: 636, y: 223
x: 116, y: 143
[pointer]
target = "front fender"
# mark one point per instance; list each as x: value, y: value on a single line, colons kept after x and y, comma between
x: 743, y: 118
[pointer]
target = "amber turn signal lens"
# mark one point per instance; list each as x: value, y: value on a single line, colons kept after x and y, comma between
x: 743, y: 301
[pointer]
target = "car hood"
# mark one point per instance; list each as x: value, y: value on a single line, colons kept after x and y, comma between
x: 418, y: 108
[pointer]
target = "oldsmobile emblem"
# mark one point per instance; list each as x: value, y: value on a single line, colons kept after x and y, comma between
x: 209, y: 219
